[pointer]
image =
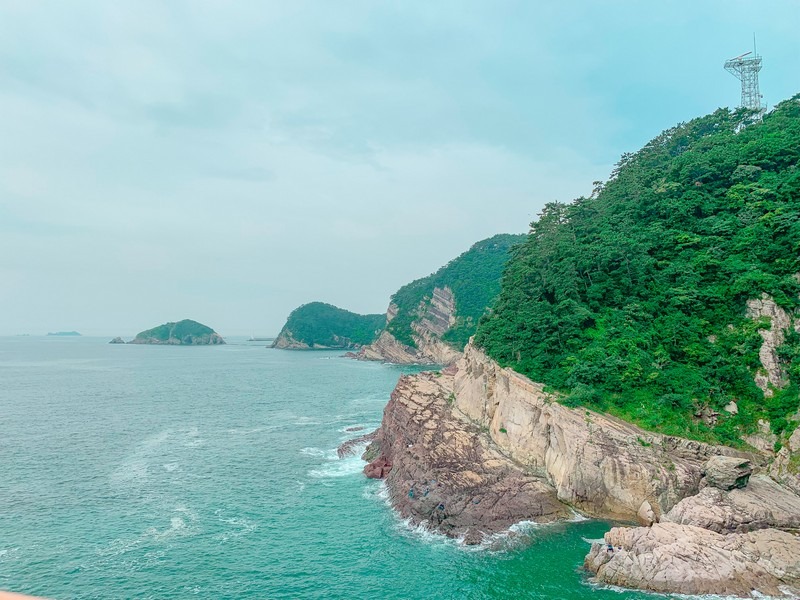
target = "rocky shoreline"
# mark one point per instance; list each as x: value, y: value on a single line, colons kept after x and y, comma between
x: 475, y: 448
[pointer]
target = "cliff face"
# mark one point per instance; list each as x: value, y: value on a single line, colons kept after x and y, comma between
x: 596, y: 463
x: 478, y: 447
x: 434, y: 318
x: 772, y: 375
x: 442, y: 472
x: 286, y: 341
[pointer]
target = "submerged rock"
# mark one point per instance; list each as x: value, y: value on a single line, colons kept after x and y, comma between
x: 349, y: 447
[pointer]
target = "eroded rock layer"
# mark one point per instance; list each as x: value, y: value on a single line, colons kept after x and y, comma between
x: 684, y: 559
x: 599, y: 464
x: 441, y: 471
x: 435, y: 317
x: 477, y: 447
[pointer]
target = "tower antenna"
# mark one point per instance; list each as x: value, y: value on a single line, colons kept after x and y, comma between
x: 745, y: 68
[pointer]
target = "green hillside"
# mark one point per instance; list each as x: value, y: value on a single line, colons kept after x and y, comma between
x: 320, y: 324
x: 634, y: 300
x: 474, y: 278
x: 185, y: 332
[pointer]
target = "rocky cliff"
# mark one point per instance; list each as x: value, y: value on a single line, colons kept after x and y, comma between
x: 434, y: 317
x: 472, y: 449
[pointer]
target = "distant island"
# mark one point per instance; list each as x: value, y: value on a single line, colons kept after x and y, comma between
x: 321, y: 326
x: 182, y: 333
x: 65, y: 333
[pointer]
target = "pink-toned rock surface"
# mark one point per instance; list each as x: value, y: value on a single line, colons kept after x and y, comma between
x: 683, y: 559
x: 445, y: 473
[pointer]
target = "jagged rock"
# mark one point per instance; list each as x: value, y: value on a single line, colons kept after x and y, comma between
x: 773, y: 375
x: 349, y: 447
x: 761, y: 505
x: 440, y: 470
x: 672, y: 558
x: 786, y: 467
x: 117, y: 340
x: 436, y: 316
x: 763, y: 439
x: 646, y: 515
x: 727, y: 472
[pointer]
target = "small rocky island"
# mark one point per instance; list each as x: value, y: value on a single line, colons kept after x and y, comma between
x: 182, y: 333
x: 65, y: 334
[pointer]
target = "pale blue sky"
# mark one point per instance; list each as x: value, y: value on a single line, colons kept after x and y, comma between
x: 227, y: 161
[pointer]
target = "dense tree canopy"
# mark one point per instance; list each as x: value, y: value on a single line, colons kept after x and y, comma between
x: 474, y: 277
x: 320, y: 324
x: 179, y: 330
x: 634, y: 300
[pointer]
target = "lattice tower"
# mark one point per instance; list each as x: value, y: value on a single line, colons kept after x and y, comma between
x: 745, y: 68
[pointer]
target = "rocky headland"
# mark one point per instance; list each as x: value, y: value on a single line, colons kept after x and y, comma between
x: 474, y: 448
x: 436, y: 316
x: 322, y: 326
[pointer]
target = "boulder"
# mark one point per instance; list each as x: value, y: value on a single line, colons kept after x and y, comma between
x: 671, y: 558
x: 760, y: 505
x: 727, y: 472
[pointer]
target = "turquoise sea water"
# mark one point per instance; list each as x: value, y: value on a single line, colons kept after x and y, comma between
x: 211, y: 472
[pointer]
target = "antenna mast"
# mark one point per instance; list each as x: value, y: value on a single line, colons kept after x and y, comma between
x: 745, y: 68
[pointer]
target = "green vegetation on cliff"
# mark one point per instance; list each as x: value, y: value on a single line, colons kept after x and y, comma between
x: 186, y: 332
x: 634, y: 300
x: 320, y: 324
x: 474, y: 278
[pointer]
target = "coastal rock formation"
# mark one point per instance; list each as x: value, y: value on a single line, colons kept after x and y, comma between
x: 442, y: 472
x: 773, y: 374
x: 762, y: 504
x: 117, y: 340
x: 286, y: 341
x: 727, y: 472
x: 182, y: 333
x: 597, y: 463
x: 435, y: 316
x: 786, y: 467
x: 350, y: 447
x: 322, y: 326
x: 673, y: 558
x: 472, y: 449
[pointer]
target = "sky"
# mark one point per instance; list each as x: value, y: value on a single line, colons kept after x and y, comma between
x: 227, y: 161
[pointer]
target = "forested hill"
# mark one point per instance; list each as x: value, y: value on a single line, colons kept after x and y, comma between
x: 474, y: 279
x: 635, y: 300
x: 320, y: 325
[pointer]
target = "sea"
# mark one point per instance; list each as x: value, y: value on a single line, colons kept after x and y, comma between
x: 132, y: 471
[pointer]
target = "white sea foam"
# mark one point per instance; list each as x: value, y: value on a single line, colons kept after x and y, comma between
x: 339, y: 467
x: 169, y: 467
x: 594, y: 541
x: 237, y: 527
x: 593, y: 583
x: 318, y: 452
x: 577, y: 517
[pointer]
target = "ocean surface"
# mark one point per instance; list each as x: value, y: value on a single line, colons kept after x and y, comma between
x: 211, y: 472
